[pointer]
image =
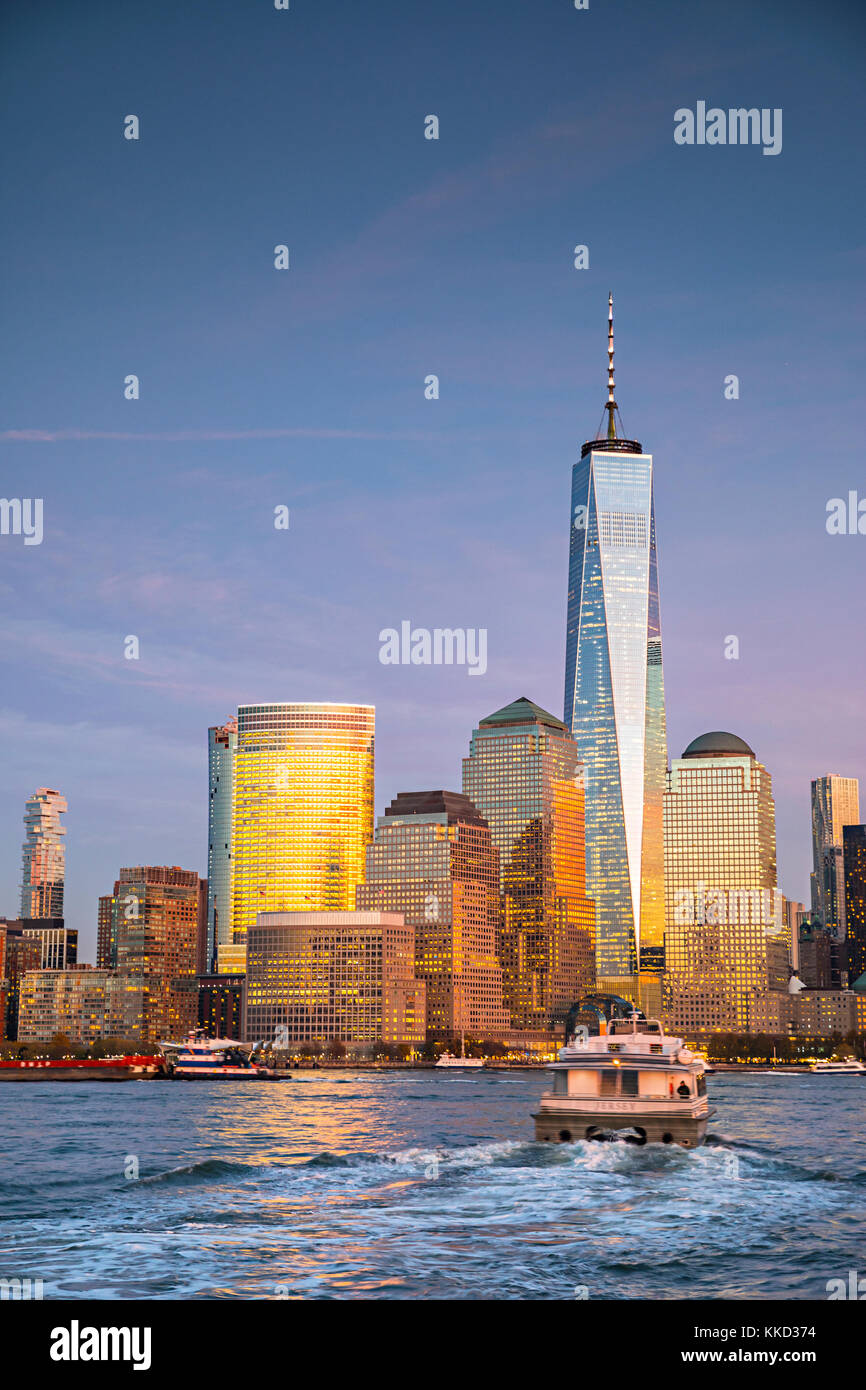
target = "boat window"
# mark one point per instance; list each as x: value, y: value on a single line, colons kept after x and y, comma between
x: 702, y: 1085
x: 629, y: 1083
x: 655, y: 1047
x: 608, y: 1083
x: 560, y: 1083
x: 614, y: 1047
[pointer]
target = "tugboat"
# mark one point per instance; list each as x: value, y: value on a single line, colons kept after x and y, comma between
x: 630, y: 1082
x: 214, y: 1059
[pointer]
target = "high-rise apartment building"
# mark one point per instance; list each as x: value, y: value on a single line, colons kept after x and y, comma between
x: 725, y: 941
x: 302, y: 812
x: 44, y: 855
x: 432, y: 859
x: 854, y: 843
x: 317, y: 976
x: 76, y: 1003
x: 222, y: 743
x: 158, y: 915
x: 524, y: 776
x: 835, y: 804
x: 614, y: 700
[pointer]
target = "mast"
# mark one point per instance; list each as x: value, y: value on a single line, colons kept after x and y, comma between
x: 611, y: 400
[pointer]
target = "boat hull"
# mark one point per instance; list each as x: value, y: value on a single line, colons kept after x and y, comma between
x: 563, y: 1125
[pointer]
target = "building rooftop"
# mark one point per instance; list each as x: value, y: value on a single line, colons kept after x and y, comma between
x: 454, y: 805
x: 523, y: 711
x: 718, y: 745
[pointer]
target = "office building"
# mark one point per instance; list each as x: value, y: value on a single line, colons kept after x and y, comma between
x: 835, y: 804
x: 725, y: 945
x: 302, y: 812
x: 222, y: 744
x: 159, y: 913
x: 432, y: 859
x: 313, y: 977
x: 524, y: 777
x: 614, y: 700
x: 854, y: 844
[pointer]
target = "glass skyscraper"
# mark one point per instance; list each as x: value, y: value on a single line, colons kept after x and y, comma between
x: 524, y: 776
x: 44, y: 856
x: 302, y: 812
x: 614, y: 697
x: 835, y: 804
x: 222, y: 744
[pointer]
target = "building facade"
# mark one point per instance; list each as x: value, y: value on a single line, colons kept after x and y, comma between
x: 76, y: 1003
x: 524, y: 776
x: 313, y: 977
x: 432, y: 859
x: 854, y: 843
x: 222, y: 742
x: 614, y: 699
x: 44, y: 855
x: 158, y: 915
x: 835, y: 804
x: 725, y: 944
x: 302, y: 812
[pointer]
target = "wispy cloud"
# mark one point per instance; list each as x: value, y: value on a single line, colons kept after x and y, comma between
x: 39, y: 436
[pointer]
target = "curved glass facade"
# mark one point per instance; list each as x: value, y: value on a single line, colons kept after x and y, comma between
x: 302, y: 809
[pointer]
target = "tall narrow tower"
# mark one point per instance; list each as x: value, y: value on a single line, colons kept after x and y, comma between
x: 44, y: 855
x: 614, y: 700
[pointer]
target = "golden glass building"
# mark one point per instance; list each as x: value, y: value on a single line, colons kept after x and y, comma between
x: 725, y: 949
x: 524, y: 776
x: 302, y: 812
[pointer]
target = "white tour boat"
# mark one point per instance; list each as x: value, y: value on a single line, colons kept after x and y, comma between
x: 200, y: 1057
x: 631, y: 1081
x: 851, y: 1068
x: 449, y: 1060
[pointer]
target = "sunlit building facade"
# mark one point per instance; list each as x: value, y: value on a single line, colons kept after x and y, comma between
x: 302, y: 812
x: 316, y: 977
x: 725, y: 943
x: 524, y: 776
x: 221, y: 748
x: 158, y: 918
x: 44, y: 855
x: 614, y: 701
x: 76, y: 1003
x: 432, y: 859
x: 835, y: 804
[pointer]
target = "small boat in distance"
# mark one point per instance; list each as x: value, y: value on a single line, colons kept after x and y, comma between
x: 631, y: 1082
x: 849, y: 1068
x: 200, y: 1057
x: 449, y: 1060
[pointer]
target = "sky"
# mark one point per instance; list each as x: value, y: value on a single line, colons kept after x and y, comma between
x: 305, y: 387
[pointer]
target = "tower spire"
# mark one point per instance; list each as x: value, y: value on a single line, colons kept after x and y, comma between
x: 611, y: 402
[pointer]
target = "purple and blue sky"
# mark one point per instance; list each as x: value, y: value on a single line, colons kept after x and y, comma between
x: 411, y: 257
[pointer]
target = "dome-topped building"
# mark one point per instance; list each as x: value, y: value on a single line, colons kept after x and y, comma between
x: 718, y: 745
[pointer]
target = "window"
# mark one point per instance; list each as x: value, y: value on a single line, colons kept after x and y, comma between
x: 629, y: 1083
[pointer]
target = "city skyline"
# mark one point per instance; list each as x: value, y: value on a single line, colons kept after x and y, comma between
x: 306, y: 389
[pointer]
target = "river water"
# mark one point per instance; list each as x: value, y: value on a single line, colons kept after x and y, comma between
x: 398, y: 1184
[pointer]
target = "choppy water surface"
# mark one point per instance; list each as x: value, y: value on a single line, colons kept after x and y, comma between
x: 418, y: 1184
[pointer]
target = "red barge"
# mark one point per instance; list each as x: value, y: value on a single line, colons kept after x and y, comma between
x: 82, y: 1069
